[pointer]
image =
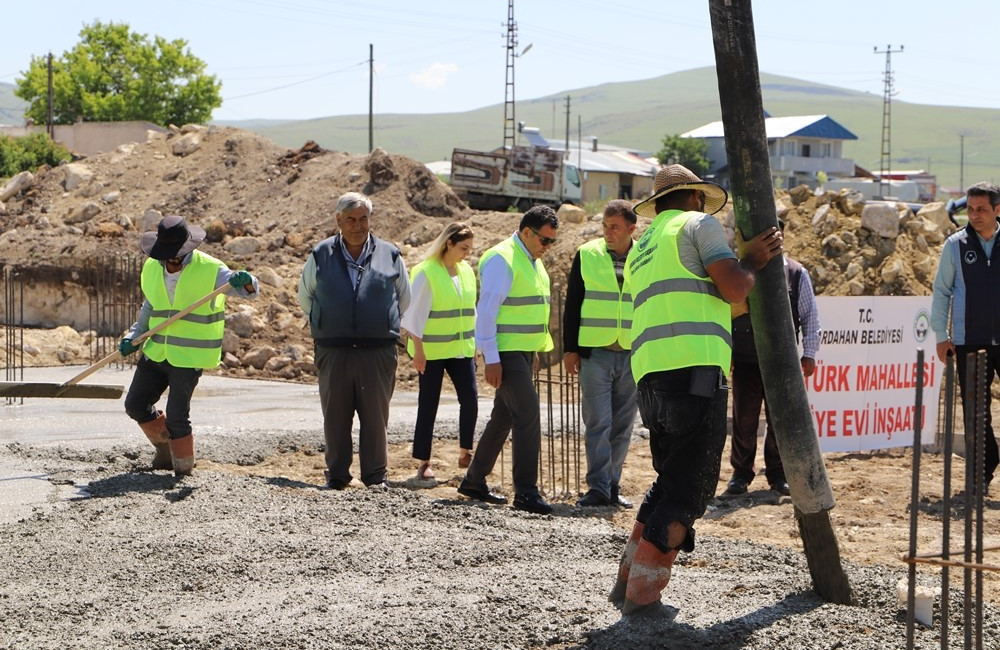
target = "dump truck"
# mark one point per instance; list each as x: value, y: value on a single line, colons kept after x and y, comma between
x: 519, y: 178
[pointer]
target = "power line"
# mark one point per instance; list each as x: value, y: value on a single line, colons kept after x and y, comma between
x: 298, y: 83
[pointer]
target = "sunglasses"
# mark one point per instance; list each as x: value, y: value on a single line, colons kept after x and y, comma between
x: 545, y: 241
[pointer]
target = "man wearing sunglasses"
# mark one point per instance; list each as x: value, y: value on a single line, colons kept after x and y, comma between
x: 512, y: 324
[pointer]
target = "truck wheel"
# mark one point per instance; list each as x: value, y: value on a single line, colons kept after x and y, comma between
x: 523, y: 205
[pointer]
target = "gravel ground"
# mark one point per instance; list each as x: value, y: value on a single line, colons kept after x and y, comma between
x: 221, y: 560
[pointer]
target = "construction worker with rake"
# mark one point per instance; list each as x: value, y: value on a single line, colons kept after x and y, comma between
x: 174, y: 277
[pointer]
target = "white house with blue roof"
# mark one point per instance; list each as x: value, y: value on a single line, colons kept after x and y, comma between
x: 800, y: 147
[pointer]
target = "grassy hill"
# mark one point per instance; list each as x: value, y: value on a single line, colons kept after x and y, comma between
x: 11, y: 107
x: 639, y: 113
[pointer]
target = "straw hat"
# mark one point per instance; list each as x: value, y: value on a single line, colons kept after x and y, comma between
x: 679, y: 177
x: 172, y: 238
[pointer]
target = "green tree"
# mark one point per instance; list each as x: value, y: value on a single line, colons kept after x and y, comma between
x: 114, y: 74
x: 29, y: 153
x: 690, y: 152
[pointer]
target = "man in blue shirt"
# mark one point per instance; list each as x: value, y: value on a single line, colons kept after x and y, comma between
x: 967, y: 287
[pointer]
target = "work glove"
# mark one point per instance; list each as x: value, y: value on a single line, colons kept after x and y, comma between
x: 126, y: 348
x: 240, y: 278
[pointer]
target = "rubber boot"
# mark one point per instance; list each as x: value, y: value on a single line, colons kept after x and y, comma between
x: 156, y: 431
x: 182, y: 450
x: 625, y: 563
x: 648, y: 577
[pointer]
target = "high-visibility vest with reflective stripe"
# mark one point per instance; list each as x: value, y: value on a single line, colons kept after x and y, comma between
x: 194, y: 341
x: 606, y: 312
x: 451, y: 325
x: 523, y: 317
x: 679, y: 319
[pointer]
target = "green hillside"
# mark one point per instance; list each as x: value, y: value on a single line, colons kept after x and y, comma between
x: 11, y: 107
x: 639, y: 113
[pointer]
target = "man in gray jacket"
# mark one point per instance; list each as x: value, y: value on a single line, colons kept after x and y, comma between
x: 354, y: 289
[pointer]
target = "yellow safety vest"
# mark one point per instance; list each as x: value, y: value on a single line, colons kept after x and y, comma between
x: 194, y: 341
x: 679, y: 320
x: 523, y: 317
x: 451, y: 325
x: 606, y: 312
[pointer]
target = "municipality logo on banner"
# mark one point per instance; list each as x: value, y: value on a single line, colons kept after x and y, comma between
x: 921, y: 325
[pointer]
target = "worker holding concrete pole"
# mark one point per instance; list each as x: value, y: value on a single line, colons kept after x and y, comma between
x: 683, y: 277
x: 174, y: 277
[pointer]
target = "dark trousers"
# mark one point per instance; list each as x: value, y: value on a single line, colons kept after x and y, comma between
x: 149, y: 382
x: 990, y: 458
x: 356, y: 380
x: 686, y: 436
x: 462, y: 371
x: 515, y: 408
x: 748, y: 395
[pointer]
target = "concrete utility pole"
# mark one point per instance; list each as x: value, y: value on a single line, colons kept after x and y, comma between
x: 885, y: 162
x: 770, y: 310
x: 371, y: 98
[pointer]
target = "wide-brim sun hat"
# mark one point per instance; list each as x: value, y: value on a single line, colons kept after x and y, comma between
x: 678, y: 177
x: 172, y: 238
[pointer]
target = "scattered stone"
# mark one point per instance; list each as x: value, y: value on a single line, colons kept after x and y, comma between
x: 834, y: 246
x: 76, y: 174
x: 891, y: 270
x: 800, y: 194
x: 17, y: 184
x: 186, y: 144
x: 258, y: 356
x: 84, y: 212
x: 242, y: 246
x: 881, y: 218
x: 936, y: 212
x: 571, y: 213
x: 111, y: 197
x: 850, y: 202
x: 150, y: 220
x: 269, y: 276
x: 240, y: 323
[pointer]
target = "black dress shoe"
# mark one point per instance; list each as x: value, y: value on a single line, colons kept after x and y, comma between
x: 736, y: 487
x: 480, y: 493
x: 335, y: 484
x: 593, y: 498
x: 781, y: 487
x: 618, y: 499
x: 532, y: 503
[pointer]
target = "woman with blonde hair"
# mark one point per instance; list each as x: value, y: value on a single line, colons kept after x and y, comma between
x: 441, y: 322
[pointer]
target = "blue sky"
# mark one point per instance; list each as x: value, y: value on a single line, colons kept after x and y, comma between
x: 301, y: 59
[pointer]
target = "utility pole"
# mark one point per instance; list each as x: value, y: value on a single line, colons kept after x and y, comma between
x: 886, y: 159
x: 49, y: 126
x: 567, y: 125
x: 509, y: 122
x: 371, y: 98
x: 770, y: 310
x: 961, y: 162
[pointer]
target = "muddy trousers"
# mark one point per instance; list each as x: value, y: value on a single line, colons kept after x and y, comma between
x: 358, y: 380
x: 686, y: 436
x: 150, y: 381
x: 462, y: 371
x: 991, y: 458
x: 748, y: 395
x: 515, y: 408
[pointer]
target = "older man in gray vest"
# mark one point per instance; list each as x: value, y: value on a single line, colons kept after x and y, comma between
x: 354, y: 289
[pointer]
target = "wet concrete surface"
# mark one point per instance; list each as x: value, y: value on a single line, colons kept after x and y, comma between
x: 222, y: 406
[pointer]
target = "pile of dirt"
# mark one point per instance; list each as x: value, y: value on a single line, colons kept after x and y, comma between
x: 264, y: 207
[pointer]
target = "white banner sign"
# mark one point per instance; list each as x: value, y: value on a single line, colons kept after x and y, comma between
x: 863, y: 392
